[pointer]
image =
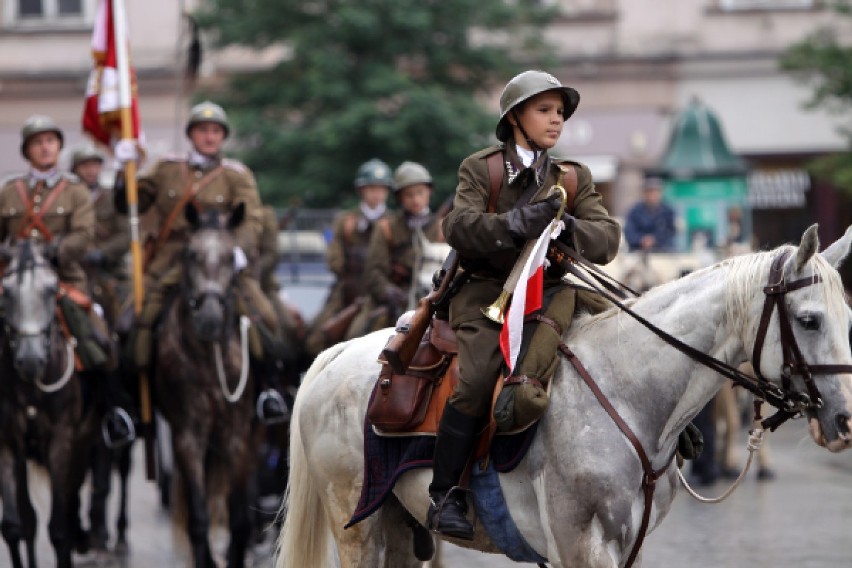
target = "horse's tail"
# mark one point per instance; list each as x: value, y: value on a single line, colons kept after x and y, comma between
x: 304, y: 538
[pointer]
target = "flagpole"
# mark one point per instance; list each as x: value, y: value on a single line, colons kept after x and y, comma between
x: 125, y: 106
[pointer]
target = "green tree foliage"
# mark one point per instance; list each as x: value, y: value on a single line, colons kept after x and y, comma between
x: 393, y: 79
x: 823, y: 62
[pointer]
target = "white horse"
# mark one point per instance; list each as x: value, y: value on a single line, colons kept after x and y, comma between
x: 577, y: 495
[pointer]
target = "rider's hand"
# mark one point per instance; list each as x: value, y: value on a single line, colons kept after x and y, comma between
x: 240, y: 259
x: 528, y: 222
x: 125, y: 150
x: 94, y: 257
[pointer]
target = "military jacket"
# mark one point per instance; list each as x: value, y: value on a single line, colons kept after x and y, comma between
x: 347, y: 250
x: 163, y: 186
x: 112, y: 232
x: 391, y: 255
x: 70, y: 217
x: 268, y: 249
x: 475, y: 233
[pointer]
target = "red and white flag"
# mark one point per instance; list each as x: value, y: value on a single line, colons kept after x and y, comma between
x: 527, y: 296
x: 101, y: 115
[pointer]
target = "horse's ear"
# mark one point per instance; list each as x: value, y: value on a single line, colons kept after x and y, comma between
x: 190, y: 212
x: 837, y: 252
x: 237, y: 216
x: 808, y: 247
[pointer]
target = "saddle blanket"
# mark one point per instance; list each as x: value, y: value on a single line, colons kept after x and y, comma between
x: 387, y: 458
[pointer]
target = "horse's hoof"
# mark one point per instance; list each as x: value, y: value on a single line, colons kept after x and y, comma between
x: 765, y: 474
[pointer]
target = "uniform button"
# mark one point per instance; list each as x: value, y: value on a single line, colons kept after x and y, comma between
x: 60, y: 210
x: 171, y: 193
x: 35, y: 209
x: 34, y: 233
x: 198, y: 173
x: 37, y: 198
x: 220, y: 198
x: 12, y: 211
x: 499, y: 243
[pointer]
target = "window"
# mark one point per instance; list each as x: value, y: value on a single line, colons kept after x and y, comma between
x: 732, y: 5
x: 49, y: 14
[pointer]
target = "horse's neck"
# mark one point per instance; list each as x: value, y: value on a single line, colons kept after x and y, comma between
x: 655, y: 387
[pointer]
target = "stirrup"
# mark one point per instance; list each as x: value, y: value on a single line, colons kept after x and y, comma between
x: 274, y: 398
x: 120, y: 418
x: 436, y: 512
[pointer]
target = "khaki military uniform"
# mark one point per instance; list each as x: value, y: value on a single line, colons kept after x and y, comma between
x: 489, y: 251
x: 390, y: 264
x: 112, y: 238
x: 346, y: 255
x: 68, y: 221
x: 220, y: 187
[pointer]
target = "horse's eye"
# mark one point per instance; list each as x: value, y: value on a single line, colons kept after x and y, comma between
x: 810, y: 322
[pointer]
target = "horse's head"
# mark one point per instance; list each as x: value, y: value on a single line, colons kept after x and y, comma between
x: 29, y: 307
x: 209, y: 268
x: 800, y: 328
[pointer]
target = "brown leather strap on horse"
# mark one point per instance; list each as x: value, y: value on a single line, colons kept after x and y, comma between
x: 191, y: 189
x: 34, y: 220
x: 650, y: 475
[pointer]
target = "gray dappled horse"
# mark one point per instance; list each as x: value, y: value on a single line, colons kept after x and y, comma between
x: 41, y: 407
x: 577, y: 496
x: 203, y: 387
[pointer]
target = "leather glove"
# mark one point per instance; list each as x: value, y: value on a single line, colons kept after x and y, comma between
x: 94, y: 257
x: 529, y: 221
x: 395, y: 296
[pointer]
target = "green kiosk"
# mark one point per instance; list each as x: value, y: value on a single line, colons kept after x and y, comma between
x: 704, y: 182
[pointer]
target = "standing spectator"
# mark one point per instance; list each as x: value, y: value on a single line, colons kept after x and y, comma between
x: 650, y: 223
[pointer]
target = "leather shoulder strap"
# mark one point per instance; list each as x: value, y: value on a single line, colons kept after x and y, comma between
x: 384, y: 226
x: 495, y: 177
x: 569, y: 182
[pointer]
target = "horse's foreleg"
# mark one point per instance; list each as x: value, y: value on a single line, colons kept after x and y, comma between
x: 9, y: 488
x: 398, y: 536
x: 189, y: 458
x: 101, y: 470
x: 239, y: 524
x: 60, y: 511
x: 124, y: 461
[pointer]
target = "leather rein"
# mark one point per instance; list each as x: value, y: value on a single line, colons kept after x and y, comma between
x: 789, y: 402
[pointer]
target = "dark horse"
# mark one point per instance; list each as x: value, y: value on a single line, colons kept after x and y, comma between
x: 42, y: 415
x: 203, y: 386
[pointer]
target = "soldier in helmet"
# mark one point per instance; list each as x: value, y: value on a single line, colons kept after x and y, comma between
x: 489, y: 229
x: 212, y: 182
x: 53, y: 207
x: 391, y: 255
x: 347, y: 252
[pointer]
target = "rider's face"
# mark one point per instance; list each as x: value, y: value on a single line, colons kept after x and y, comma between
x: 542, y: 117
x: 88, y: 171
x: 43, y: 150
x: 374, y: 195
x: 207, y: 138
x: 415, y: 198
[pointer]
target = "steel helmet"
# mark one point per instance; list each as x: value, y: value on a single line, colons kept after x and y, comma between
x: 208, y: 112
x: 36, y: 124
x: 84, y: 154
x: 410, y: 173
x: 526, y: 85
x: 373, y: 172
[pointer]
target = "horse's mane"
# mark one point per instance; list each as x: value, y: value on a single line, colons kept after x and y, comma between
x: 26, y: 260
x: 745, y: 279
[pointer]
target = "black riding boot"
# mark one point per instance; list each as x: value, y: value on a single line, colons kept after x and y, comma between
x: 448, y: 508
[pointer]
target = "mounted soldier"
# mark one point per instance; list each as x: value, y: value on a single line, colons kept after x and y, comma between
x: 211, y: 182
x: 52, y: 207
x: 347, y: 253
x: 391, y: 256
x: 501, y: 203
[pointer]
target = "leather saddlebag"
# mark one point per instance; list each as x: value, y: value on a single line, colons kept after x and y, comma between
x: 400, y: 402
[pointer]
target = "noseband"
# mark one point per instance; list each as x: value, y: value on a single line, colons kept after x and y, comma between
x: 794, y: 363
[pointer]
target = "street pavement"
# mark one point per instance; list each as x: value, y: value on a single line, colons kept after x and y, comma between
x: 797, y: 520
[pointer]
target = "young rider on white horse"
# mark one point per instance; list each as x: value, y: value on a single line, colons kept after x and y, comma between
x: 489, y: 231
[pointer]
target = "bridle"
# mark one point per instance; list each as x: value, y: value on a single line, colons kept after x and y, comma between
x: 795, y: 401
